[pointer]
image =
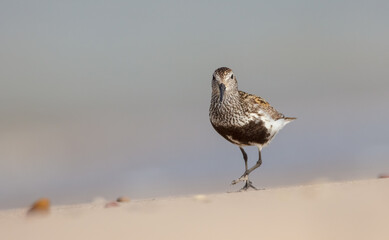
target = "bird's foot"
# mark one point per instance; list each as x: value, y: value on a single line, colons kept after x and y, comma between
x: 247, y: 183
x: 244, y: 177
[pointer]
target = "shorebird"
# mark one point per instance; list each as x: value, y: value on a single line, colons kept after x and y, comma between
x: 243, y: 119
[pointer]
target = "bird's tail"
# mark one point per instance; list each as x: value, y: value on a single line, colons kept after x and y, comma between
x: 289, y: 119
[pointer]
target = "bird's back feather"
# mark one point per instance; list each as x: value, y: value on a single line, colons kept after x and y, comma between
x: 259, y: 104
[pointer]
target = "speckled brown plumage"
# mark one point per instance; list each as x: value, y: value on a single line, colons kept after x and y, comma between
x: 241, y: 118
x: 251, y: 100
x: 223, y: 71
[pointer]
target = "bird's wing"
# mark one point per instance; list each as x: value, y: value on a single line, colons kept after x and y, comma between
x: 257, y: 104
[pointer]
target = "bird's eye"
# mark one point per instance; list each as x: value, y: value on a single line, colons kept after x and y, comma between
x: 213, y: 78
x: 232, y: 76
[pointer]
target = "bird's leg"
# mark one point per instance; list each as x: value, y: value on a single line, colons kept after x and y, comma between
x: 245, y: 164
x: 259, y: 162
x: 245, y: 176
x: 244, y: 157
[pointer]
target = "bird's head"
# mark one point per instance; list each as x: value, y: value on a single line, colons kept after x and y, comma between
x: 224, y: 82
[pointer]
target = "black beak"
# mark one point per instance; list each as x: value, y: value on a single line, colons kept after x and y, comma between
x: 222, y: 88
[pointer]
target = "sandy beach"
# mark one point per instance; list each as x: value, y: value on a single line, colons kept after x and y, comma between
x: 345, y: 210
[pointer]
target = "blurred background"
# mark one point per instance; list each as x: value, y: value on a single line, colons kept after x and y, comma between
x: 101, y: 99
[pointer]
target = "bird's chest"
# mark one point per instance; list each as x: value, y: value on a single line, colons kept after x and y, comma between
x: 228, y: 119
x: 228, y: 116
x: 239, y: 125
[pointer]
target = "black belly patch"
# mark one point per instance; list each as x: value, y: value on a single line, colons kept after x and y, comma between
x: 246, y: 135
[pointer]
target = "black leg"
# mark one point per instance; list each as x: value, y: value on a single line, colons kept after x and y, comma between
x: 244, y: 157
x: 245, y: 176
x: 259, y: 162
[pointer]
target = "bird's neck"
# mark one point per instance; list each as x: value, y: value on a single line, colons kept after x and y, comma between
x: 229, y: 98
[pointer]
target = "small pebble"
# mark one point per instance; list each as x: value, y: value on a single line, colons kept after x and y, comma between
x: 123, y: 199
x: 202, y: 198
x: 383, y: 176
x: 111, y: 204
x: 40, y: 207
